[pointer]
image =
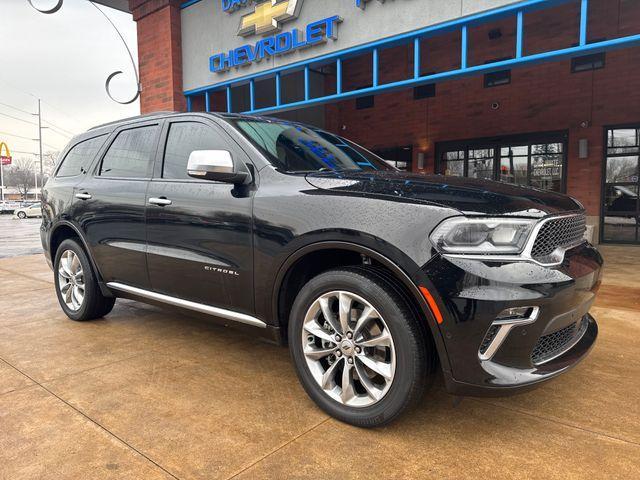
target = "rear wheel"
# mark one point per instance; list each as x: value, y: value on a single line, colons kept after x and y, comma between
x: 358, y: 349
x: 76, y: 285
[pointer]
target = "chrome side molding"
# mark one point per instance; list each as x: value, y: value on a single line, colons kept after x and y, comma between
x: 196, y: 307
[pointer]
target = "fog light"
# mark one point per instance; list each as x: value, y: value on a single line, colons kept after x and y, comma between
x: 515, y: 313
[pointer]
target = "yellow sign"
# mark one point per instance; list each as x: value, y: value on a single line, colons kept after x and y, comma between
x: 268, y: 16
x: 5, y: 159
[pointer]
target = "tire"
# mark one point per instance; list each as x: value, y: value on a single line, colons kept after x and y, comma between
x: 22, y: 215
x: 401, y: 364
x: 68, y: 278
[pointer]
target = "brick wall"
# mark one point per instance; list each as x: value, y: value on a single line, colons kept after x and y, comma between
x: 159, y: 54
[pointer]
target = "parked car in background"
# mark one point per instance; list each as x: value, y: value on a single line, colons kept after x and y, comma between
x: 9, y: 207
x: 372, y: 276
x: 33, y: 210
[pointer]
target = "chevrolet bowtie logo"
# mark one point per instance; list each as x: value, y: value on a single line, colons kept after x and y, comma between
x: 268, y: 17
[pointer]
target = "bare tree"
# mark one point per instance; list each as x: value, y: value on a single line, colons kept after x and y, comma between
x: 22, y: 176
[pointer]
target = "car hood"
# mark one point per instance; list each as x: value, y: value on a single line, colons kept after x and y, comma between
x: 469, y: 196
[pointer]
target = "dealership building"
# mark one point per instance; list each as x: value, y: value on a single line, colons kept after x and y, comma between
x: 540, y: 93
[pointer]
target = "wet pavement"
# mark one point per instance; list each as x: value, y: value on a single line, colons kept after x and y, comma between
x: 19, y: 237
x: 148, y: 393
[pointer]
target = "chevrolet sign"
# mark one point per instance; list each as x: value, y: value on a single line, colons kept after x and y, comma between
x: 268, y: 17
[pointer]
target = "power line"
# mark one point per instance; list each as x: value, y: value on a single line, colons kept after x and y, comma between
x: 18, y: 119
x: 19, y: 136
x: 63, y: 113
x: 61, y: 130
x: 16, y: 108
x: 53, y: 125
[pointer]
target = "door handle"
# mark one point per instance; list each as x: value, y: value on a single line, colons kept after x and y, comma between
x: 83, y: 196
x: 163, y: 202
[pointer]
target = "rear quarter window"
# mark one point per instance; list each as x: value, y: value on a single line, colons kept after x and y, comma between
x: 79, y: 158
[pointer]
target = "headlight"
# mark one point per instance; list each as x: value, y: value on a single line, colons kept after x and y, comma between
x: 482, y: 235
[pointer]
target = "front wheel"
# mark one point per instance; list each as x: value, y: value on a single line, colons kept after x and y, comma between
x: 22, y: 215
x: 358, y: 348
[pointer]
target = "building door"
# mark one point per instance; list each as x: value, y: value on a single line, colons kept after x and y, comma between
x: 620, y: 205
x: 534, y: 160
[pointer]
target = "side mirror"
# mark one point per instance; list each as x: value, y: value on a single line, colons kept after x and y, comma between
x: 215, y: 165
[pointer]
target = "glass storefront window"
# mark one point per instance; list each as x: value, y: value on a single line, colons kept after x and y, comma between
x: 481, y: 164
x: 621, y: 206
x: 514, y: 165
x: 538, y: 161
x: 453, y: 163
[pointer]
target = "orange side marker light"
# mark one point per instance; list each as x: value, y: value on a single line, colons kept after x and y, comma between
x: 432, y: 304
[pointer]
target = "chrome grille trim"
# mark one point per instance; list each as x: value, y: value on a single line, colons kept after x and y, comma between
x: 558, y: 233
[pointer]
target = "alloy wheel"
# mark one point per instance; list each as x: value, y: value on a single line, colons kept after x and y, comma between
x: 71, y: 280
x: 348, y: 349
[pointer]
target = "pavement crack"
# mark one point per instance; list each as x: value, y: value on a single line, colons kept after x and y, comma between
x: 96, y: 423
x: 288, y: 442
x: 557, y: 421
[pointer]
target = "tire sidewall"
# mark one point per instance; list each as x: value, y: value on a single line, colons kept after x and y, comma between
x: 386, y: 303
x: 89, y: 279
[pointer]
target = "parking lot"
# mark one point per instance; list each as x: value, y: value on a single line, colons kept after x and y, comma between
x: 148, y: 393
x: 19, y: 237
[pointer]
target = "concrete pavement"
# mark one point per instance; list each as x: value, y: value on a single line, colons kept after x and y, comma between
x: 148, y: 393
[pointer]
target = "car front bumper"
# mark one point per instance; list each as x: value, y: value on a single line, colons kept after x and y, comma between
x: 473, y: 293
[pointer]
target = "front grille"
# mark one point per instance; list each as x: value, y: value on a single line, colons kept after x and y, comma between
x: 560, y: 232
x: 554, y: 344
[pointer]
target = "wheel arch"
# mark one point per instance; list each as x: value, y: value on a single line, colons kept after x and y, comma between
x: 64, y: 230
x: 280, y: 312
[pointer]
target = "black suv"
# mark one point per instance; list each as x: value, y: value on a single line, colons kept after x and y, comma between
x: 372, y: 276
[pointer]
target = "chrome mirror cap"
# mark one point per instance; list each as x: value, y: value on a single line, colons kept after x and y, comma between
x: 216, y: 165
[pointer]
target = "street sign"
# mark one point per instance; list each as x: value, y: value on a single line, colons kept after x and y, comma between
x: 6, y: 160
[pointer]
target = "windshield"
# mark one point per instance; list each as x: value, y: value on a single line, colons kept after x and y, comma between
x: 295, y: 148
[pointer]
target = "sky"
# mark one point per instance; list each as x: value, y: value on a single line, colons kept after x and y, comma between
x: 64, y: 59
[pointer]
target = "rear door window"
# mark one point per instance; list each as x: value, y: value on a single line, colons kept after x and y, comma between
x: 131, y: 154
x: 79, y: 158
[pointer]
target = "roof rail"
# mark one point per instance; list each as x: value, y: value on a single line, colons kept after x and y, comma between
x: 137, y: 117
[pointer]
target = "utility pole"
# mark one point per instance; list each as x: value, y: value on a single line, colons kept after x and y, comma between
x: 39, y: 114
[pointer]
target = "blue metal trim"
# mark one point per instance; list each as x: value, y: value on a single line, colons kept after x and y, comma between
x: 278, y: 90
x: 207, y: 102
x: 416, y: 58
x: 476, y: 69
x: 229, y: 101
x: 453, y: 25
x: 306, y: 83
x: 339, y: 76
x: 188, y: 103
x: 464, y: 41
x: 375, y: 67
x: 519, y: 34
x: 252, y: 94
x: 584, y: 17
x: 188, y: 4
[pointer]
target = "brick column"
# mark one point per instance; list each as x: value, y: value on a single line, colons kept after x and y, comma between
x: 159, y: 54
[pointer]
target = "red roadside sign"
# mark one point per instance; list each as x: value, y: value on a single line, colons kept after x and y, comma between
x: 6, y: 160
